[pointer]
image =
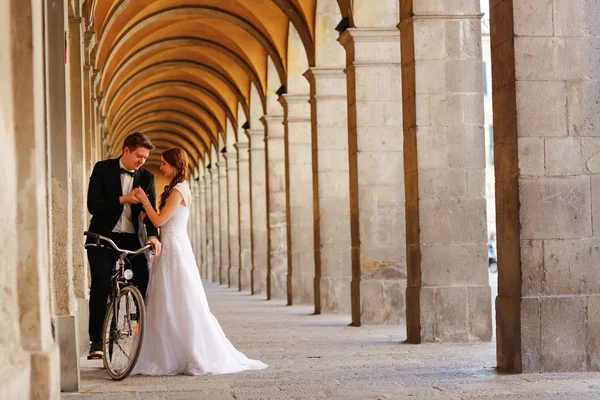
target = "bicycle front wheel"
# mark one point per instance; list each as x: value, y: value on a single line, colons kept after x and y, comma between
x: 123, y: 332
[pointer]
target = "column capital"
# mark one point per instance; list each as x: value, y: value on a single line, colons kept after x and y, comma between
x: 241, y: 146
x: 376, y: 35
x: 271, y: 119
x: 373, y: 47
x: 315, y: 73
x: 296, y: 106
x: 242, y: 151
x: 287, y: 99
x: 327, y: 83
x: 273, y: 126
x: 405, y: 20
x: 257, y: 138
x: 76, y: 20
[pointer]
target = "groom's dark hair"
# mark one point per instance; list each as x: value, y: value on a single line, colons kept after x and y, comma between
x: 137, y: 139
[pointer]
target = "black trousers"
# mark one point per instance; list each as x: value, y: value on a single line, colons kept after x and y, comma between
x: 102, y: 263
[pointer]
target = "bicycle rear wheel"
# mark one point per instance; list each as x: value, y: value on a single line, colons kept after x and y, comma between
x: 123, y: 332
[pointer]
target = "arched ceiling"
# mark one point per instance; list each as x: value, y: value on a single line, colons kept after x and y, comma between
x: 177, y: 70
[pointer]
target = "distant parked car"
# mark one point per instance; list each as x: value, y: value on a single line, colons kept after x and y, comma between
x: 492, y: 257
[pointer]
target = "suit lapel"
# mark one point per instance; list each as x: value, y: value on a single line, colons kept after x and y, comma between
x: 137, y: 177
x: 115, y: 176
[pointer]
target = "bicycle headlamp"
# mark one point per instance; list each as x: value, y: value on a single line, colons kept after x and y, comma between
x: 128, y: 274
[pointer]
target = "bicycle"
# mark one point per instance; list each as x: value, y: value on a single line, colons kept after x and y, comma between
x: 124, y: 322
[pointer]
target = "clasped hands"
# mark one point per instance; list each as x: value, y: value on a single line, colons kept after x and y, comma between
x: 137, y: 196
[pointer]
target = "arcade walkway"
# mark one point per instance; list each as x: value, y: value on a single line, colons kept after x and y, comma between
x: 320, y: 357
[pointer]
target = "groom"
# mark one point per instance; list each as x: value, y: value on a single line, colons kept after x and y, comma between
x: 115, y: 210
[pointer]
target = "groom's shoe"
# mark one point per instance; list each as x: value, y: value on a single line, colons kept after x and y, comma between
x: 95, y: 351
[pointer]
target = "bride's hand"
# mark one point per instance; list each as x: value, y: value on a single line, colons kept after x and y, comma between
x: 139, y: 193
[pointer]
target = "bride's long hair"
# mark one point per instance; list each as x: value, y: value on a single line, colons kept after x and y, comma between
x: 177, y: 158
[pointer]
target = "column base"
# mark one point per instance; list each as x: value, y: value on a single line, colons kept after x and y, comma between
x: 83, y: 319
x: 66, y: 334
x: 278, y: 281
x: 234, y: 277
x: 381, y: 301
x: 334, y: 295
x: 245, y: 279
x: 224, y: 275
x: 15, y: 382
x: 259, y: 280
x: 508, y: 334
x: 448, y: 314
x: 45, y: 372
x: 303, y: 289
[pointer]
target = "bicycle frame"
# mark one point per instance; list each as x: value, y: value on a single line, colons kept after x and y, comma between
x: 113, y: 332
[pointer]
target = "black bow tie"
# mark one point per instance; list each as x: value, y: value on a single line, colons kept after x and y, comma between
x: 130, y: 173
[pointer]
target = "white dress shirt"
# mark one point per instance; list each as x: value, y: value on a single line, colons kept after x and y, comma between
x: 125, y: 223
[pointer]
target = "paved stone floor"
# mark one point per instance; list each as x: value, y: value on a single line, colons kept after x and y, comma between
x: 321, y: 357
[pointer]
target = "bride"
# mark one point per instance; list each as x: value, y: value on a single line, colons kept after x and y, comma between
x: 182, y: 336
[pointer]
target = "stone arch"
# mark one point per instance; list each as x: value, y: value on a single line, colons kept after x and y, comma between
x: 298, y: 63
x: 204, y: 95
x: 328, y: 52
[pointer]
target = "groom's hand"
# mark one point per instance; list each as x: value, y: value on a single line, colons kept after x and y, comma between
x: 157, y: 246
x: 130, y: 197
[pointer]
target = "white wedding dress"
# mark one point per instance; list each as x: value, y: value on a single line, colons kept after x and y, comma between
x: 182, y: 336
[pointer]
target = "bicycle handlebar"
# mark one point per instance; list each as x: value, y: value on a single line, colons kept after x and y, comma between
x: 98, y: 237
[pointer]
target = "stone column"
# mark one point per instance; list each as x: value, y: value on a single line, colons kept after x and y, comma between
x: 547, y: 152
x: 223, y: 220
x: 258, y: 201
x: 243, y: 157
x: 191, y: 227
x: 203, y: 228
x: 88, y: 129
x: 299, y: 188
x: 216, y: 226
x: 79, y: 177
x: 333, y: 263
x: 210, y: 258
x: 234, y: 220
x: 17, y: 370
x: 196, y: 205
x: 378, y: 227
x: 30, y: 251
x: 448, y: 294
x: 277, y: 266
x: 60, y: 150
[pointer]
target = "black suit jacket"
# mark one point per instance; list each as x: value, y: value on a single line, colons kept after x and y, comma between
x: 104, y: 191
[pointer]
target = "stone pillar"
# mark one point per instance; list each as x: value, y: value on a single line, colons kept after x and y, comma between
x: 333, y: 263
x: 60, y: 150
x: 16, y: 381
x: 216, y: 226
x: 258, y: 202
x: 243, y: 157
x: 299, y: 189
x: 88, y: 128
x: 223, y: 220
x: 547, y: 152
x: 196, y: 205
x: 203, y: 228
x: 79, y: 177
x: 210, y: 258
x: 191, y: 227
x: 448, y: 294
x: 276, y: 207
x: 233, y: 218
x: 376, y: 159
x: 31, y: 250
